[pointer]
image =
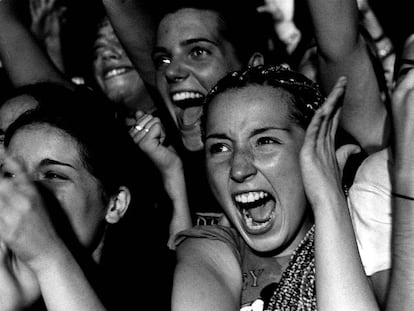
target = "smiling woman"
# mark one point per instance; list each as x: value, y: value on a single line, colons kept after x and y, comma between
x: 114, y: 73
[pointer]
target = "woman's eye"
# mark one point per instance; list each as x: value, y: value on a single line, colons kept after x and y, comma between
x: 53, y: 176
x: 218, y: 148
x: 199, y: 52
x: 267, y: 141
x: 160, y: 61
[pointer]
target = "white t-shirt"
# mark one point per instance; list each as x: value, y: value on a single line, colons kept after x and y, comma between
x: 370, y: 207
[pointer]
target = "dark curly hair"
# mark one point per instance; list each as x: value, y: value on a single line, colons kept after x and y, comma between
x: 305, y: 94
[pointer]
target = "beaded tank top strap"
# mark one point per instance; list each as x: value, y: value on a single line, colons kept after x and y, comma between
x: 296, y: 288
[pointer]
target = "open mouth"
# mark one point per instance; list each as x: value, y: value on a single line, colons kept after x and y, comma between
x: 110, y: 73
x: 258, y: 210
x: 191, y: 109
x: 187, y: 99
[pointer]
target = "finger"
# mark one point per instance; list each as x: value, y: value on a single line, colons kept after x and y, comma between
x: 17, y: 174
x: 334, y: 124
x: 404, y: 84
x: 142, y: 121
x: 155, y: 135
x: 343, y: 153
x: 32, y: 7
x: 139, y: 114
x: 331, y: 104
x: 263, y: 9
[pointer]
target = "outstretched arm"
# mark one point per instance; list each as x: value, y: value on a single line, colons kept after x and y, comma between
x: 343, y: 52
x: 21, y: 55
x: 341, y: 283
x: 134, y: 25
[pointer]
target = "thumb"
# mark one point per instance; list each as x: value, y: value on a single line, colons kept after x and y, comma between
x: 343, y: 153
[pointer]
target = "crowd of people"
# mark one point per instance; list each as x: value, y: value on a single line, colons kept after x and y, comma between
x: 248, y: 156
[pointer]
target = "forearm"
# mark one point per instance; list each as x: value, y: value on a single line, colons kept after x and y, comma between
x: 335, y: 26
x: 174, y: 183
x: 64, y: 286
x: 341, y: 283
x: 135, y: 27
x: 342, y: 51
x: 401, y: 287
x: 22, y: 57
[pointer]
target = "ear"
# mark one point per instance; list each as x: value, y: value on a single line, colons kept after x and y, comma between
x: 118, y: 205
x: 256, y: 59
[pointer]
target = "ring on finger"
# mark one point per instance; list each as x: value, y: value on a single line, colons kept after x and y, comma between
x: 138, y: 127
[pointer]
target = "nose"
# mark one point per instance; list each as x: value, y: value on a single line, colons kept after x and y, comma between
x: 242, y: 166
x: 176, y: 71
x: 112, y: 53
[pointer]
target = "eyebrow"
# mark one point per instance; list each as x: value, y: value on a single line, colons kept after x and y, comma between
x: 160, y: 49
x: 46, y: 162
x: 253, y: 133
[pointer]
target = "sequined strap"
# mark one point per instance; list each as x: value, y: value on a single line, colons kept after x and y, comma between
x: 296, y: 288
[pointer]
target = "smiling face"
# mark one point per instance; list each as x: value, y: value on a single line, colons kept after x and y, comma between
x: 113, y: 70
x: 191, y: 55
x: 252, y: 155
x: 52, y: 157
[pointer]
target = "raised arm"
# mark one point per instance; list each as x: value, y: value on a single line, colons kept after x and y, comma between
x: 341, y: 283
x: 21, y: 55
x: 134, y: 25
x: 148, y: 133
x: 401, y: 287
x: 343, y: 52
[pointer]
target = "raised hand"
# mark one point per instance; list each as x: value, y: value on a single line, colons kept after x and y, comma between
x: 148, y: 133
x: 321, y: 165
x: 25, y: 226
x: 48, y: 17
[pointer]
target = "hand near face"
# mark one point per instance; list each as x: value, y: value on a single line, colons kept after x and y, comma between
x: 18, y: 286
x: 25, y: 226
x: 321, y: 165
x: 148, y: 133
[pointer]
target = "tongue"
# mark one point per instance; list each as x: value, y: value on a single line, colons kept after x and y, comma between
x: 191, y: 115
x: 261, y: 213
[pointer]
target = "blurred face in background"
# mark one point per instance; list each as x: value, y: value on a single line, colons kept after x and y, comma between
x: 113, y: 70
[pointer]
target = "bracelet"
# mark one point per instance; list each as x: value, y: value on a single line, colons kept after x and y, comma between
x: 402, y: 196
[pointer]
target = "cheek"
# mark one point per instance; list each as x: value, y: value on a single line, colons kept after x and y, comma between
x: 283, y: 172
x: 218, y: 178
x: 209, y: 74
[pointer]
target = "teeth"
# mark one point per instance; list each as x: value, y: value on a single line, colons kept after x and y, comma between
x: 185, y: 95
x: 115, y: 72
x: 256, y: 225
x: 250, y: 197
